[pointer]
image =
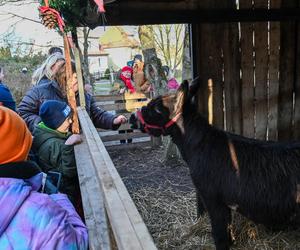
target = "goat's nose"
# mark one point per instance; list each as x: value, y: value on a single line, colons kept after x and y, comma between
x: 133, y: 118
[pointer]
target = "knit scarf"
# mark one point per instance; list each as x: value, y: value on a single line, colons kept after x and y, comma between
x: 128, y: 83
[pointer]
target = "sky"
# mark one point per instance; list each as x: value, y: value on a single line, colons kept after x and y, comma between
x: 25, y: 31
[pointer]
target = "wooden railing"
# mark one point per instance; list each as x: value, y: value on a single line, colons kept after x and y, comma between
x: 111, y: 216
x: 121, y: 104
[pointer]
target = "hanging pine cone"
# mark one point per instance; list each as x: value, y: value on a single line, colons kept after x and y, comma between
x: 49, y: 19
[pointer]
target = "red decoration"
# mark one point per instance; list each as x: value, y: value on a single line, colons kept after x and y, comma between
x: 100, y: 5
x: 50, y: 16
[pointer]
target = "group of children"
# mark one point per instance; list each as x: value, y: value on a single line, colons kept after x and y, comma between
x: 132, y: 78
x: 31, y: 219
x: 52, y: 141
x: 42, y: 132
x: 39, y: 129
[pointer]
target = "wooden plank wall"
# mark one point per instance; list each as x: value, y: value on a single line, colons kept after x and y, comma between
x: 118, y: 105
x: 253, y: 68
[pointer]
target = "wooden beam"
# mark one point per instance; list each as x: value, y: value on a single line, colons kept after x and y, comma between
x: 92, y: 200
x: 128, y: 227
x: 261, y: 74
x: 122, y: 127
x: 79, y: 70
x: 126, y: 136
x: 69, y: 88
x: 102, y: 98
x: 133, y: 16
x: 146, y: 144
x: 122, y: 106
x: 287, y: 76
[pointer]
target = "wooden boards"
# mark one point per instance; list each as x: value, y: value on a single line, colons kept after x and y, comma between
x: 127, y: 225
x: 125, y: 105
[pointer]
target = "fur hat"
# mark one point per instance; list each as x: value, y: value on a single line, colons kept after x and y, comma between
x: 15, y: 137
x: 53, y: 113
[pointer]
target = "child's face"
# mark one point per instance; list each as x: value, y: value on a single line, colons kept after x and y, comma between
x: 74, y: 82
x: 126, y: 74
x: 65, y: 126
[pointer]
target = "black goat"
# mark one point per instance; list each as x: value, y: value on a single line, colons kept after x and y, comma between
x: 260, y: 179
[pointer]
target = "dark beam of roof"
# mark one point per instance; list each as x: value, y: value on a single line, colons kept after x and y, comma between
x: 140, y: 16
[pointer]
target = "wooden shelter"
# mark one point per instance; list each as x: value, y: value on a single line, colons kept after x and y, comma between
x: 246, y: 52
x: 250, y: 51
x: 248, y: 48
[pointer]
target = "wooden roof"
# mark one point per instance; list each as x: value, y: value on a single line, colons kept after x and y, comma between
x: 138, y: 12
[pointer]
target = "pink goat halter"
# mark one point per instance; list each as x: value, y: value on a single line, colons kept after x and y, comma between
x: 163, y: 128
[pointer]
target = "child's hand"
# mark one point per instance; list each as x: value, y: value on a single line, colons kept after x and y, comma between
x: 73, y: 139
x: 122, y: 91
x: 121, y: 119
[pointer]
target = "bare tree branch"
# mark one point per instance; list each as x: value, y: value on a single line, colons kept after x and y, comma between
x: 16, y: 2
x: 19, y: 16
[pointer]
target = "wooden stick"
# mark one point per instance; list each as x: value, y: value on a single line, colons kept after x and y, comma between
x: 210, y: 101
x: 70, y: 91
x: 79, y: 70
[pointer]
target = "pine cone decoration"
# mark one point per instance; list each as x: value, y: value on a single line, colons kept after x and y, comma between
x: 49, y: 19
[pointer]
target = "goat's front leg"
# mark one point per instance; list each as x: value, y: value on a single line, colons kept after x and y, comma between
x: 220, y: 217
x: 200, y: 205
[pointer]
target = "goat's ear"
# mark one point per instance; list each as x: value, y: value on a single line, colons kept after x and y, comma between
x: 184, y: 87
x: 194, y: 86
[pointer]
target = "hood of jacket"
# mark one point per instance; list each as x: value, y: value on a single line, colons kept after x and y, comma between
x: 17, y: 180
x: 41, y: 134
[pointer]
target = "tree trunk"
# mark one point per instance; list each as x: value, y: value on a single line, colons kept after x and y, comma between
x: 155, y: 74
x: 150, y: 56
x: 153, y: 65
x: 186, y: 57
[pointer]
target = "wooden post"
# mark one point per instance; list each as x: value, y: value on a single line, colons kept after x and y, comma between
x: 70, y: 91
x: 210, y: 101
x: 79, y: 70
x: 273, y: 74
x: 247, y: 67
x: 261, y: 73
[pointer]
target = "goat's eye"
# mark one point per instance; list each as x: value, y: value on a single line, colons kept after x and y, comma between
x: 157, y: 110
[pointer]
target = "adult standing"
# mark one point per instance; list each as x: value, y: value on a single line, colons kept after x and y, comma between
x: 53, y: 50
x: 56, y: 90
x: 48, y: 69
x: 141, y: 83
x: 6, y: 98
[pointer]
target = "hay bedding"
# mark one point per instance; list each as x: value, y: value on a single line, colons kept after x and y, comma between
x: 165, y: 197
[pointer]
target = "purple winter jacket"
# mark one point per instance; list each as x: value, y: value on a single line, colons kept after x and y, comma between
x: 33, y: 221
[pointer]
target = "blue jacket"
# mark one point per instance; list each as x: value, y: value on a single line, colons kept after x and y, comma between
x: 29, y: 107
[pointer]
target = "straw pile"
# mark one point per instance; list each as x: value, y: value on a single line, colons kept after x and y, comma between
x: 165, y: 198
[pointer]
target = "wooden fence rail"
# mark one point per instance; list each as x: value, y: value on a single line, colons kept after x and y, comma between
x: 103, y: 190
x: 123, y: 104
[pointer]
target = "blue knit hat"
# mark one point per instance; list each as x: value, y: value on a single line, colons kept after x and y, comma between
x: 6, y: 98
x: 54, y: 113
x: 139, y: 57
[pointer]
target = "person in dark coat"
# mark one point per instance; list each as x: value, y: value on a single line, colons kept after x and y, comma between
x: 56, y: 90
x: 6, y: 98
x: 54, y: 145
